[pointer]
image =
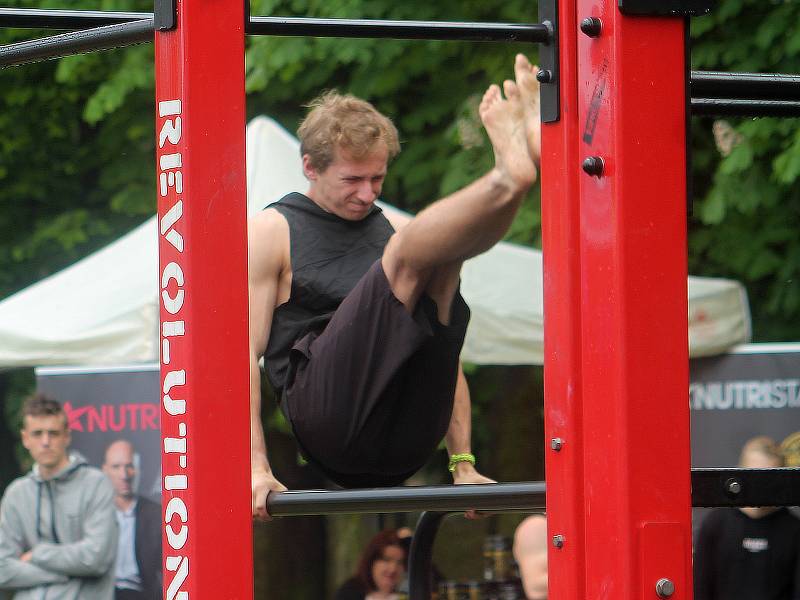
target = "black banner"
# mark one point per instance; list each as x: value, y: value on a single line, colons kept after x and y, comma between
x: 754, y: 390
x: 104, y: 405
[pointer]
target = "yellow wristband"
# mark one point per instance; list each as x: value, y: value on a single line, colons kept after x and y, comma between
x: 457, y: 458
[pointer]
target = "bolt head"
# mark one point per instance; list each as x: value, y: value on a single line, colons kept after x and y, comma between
x: 665, y: 588
x: 556, y: 444
x: 733, y: 486
x: 592, y: 26
x: 593, y: 165
x: 544, y: 76
x: 558, y: 541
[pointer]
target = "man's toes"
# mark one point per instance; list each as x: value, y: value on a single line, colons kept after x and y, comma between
x: 510, y: 89
x: 492, y: 93
x: 522, y: 66
x: 525, y: 73
x: 491, y: 96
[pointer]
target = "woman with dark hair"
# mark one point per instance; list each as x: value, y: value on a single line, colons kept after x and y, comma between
x: 380, y: 569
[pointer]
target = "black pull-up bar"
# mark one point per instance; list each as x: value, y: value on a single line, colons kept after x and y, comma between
x: 399, y: 30
x: 77, y: 42
x: 116, y: 29
x: 710, y: 487
x: 299, y: 26
x: 765, y: 86
x: 445, y: 498
x: 37, y: 18
x: 745, y: 107
x: 745, y: 94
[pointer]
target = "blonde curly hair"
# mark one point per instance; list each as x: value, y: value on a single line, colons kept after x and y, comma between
x: 342, y: 121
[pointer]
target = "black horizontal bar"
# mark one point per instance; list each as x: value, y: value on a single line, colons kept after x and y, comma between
x: 404, y: 30
x: 766, y: 86
x: 446, y: 498
x: 77, y: 42
x: 299, y: 26
x: 745, y: 487
x: 34, y: 18
x: 710, y: 487
x: 745, y: 107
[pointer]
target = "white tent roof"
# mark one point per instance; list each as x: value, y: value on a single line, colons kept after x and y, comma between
x: 104, y: 309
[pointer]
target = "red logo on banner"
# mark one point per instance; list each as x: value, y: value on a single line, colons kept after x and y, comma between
x: 112, y: 417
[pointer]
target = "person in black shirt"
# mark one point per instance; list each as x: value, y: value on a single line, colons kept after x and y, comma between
x: 749, y: 553
x: 359, y: 317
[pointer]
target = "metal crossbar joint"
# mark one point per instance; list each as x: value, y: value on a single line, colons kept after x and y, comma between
x: 166, y: 14
x: 548, y: 63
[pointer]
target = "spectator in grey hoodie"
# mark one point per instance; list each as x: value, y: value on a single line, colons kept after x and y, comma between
x: 58, y: 531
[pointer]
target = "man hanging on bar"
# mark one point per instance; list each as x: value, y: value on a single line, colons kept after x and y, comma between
x: 359, y: 316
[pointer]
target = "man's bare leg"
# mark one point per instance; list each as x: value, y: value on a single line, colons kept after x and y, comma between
x: 435, y: 243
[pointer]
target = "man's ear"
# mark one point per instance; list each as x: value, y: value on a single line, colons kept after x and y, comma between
x: 308, y: 169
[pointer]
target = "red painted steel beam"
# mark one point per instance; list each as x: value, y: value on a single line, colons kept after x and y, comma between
x: 560, y: 178
x: 200, y: 135
x: 616, y: 310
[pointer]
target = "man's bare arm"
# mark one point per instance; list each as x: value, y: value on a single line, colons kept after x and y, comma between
x: 459, y: 433
x: 267, y: 248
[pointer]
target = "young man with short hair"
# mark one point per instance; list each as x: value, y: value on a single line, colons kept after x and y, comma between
x: 359, y: 317
x: 58, y: 533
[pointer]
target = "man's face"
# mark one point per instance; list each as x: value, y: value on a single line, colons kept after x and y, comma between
x: 119, y: 468
x: 348, y: 187
x: 47, y: 438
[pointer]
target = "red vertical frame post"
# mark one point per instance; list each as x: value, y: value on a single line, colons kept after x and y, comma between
x: 616, y: 314
x: 202, y: 208
x: 560, y: 179
x: 634, y: 348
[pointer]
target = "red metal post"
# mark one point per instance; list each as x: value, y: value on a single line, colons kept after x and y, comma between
x: 562, y: 308
x: 616, y: 329
x: 200, y: 136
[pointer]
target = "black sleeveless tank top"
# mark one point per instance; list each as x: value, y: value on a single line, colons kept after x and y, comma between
x: 328, y: 256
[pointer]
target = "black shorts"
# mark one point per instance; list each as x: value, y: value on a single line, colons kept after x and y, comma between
x: 370, y: 398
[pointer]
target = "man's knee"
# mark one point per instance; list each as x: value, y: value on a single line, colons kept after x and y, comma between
x: 406, y: 280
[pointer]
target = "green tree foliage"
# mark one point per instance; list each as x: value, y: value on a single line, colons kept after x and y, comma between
x: 747, y: 213
x: 76, y: 135
x: 77, y: 166
x: 430, y: 88
x: 76, y: 152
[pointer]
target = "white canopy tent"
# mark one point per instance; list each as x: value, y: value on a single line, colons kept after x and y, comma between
x: 104, y: 309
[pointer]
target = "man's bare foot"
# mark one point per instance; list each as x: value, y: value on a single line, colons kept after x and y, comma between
x: 505, y: 123
x: 528, y: 87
